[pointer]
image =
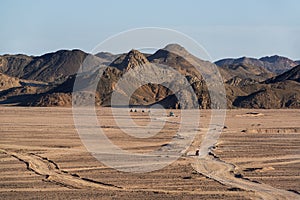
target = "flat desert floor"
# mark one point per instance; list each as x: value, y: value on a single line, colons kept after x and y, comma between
x: 257, y: 156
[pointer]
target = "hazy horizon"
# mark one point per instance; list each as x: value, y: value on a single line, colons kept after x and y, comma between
x: 228, y: 29
x: 148, y: 52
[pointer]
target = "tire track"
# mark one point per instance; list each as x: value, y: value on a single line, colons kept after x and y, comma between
x: 52, y: 173
x: 222, y: 172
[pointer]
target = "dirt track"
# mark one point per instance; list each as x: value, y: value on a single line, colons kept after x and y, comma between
x: 224, y: 173
x: 42, y: 157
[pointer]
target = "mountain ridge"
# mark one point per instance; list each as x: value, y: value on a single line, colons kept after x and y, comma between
x: 50, y: 78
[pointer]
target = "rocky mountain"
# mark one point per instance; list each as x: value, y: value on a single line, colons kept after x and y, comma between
x: 239, y: 61
x: 14, y: 90
x: 129, y: 61
x: 48, y: 80
x: 259, y: 68
x: 293, y: 74
x: 7, y: 82
x: 245, y: 68
x: 282, y: 91
x: 278, y: 64
x: 13, y: 65
x: 277, y: 95
x: 51, y: 67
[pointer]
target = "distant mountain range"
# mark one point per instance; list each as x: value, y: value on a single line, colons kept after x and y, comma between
x: 47, y: 80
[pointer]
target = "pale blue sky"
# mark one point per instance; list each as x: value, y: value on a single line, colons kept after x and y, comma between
x: 231, y: 28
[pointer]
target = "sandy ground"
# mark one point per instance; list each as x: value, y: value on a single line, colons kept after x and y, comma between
x: 256, y: 157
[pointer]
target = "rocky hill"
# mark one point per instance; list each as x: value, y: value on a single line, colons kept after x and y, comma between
x: 278, y: 95
x: 7, y: 82
x: 51, y: 67
x: 263, y: 67
x: 48, y: 80
x: 278, y: 64
x: 129, y: 61
x: 293, y: 74
x: 245, y: 68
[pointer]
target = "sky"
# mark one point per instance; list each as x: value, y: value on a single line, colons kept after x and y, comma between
x: 231, y: 28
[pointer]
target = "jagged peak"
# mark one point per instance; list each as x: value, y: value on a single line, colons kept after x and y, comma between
x: 131, y: 60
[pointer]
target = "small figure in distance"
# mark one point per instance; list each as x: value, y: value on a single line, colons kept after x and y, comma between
x: 171, y: 114
x: 197, y: 152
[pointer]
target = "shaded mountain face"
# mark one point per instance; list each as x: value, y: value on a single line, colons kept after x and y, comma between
x: 282, y: 91
x: 51, y: 67
x: 13, y: 65
x: 239, y: 61
x: 257, y: 69
x: 278, y: 64
x: 48, y: 80
x: 293, y: 74
x: 245, y: 68
x: 245, y: 89
x: 277, y: 95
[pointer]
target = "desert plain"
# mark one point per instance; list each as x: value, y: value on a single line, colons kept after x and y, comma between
x: 257, y: 156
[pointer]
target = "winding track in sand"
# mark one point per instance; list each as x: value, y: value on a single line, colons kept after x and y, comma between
x: 52, y: 173
x: 209, y: 166
x: 223, y: 172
